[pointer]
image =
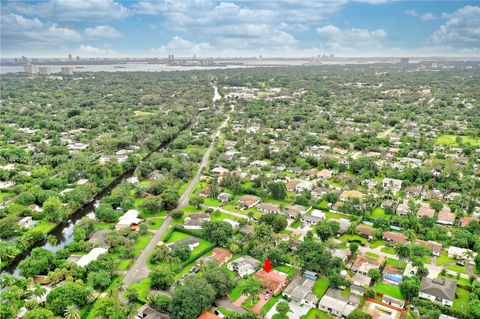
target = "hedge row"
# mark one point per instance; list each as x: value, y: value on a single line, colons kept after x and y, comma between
x: 421, y: 303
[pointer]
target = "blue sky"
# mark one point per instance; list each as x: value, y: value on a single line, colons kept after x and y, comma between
x: 148, y: 28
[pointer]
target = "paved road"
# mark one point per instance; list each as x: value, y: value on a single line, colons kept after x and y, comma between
x: 140, y: 270
x: 226, y: 303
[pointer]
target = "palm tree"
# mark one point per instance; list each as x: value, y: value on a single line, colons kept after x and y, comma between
x: 90, y: 295
x: 72, y: 312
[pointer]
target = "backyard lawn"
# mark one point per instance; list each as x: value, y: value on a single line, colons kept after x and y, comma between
x: 321, y: 285
x: 443, y: 259
x: 317, y: 314
x: 155, y: 223
x: 388, y: 250
x: 450, y: 140
x: 457, y: 268
x: 389, y: 290
x: 142, y: 242
x: 44, y: 227
x: 462, y: 300
x: 353, y: 238
x: 378, y: 213
x: 142, y: 287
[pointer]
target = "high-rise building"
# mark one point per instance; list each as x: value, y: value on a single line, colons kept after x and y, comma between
x: 77, y: 58
x: 69, y: 57
x: 404, y: 60
x: 67, y: 70
x: 44, y: 70
x: 29, y: 69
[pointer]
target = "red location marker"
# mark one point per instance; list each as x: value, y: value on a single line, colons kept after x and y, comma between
x: 267, y: 267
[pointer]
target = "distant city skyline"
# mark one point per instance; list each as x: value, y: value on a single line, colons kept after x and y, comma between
x: 287, y: 28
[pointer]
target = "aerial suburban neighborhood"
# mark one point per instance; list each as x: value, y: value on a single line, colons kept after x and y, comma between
x: 243, y: 169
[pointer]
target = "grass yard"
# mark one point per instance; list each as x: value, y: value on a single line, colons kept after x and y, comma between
x: 235, y: 294
x: 396, y: 263
x: 332, y: 215
x: 353, y: 238
x: 317, y: 314
x: 211, y: 201
x: 388, y: 250
x: 296, y: 224
x: 450, y: 140
x: 457, y: 268
x: 142, y: 242
x: 461, y: 302
x: 155, y: 223
x: 191, y: 209
x: 320, y: 287
x: 124, y: 264
x: 218, y: 216
x: 371, y: 255
x: 286, y: 269
x: 5, y: 194
x: 250, y: 302
x: 389, y: 290
x: 266, y: 307
x: 378, y: 213
x: 377, y: 243
x: 143, y: 288
x: 443, y: 259
x: 143, y: 113
x: 44, y: 227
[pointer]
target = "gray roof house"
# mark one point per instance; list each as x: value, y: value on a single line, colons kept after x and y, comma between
x: 245, y: 265
x: 190, y: 242
x: 440, y: 290
x: 300, y: 291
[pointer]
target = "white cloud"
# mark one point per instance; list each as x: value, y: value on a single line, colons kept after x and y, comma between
x: 333, y: 37
x: 462, y: 29
x: 411, y: 12
x: 71, y: 10
x: 182, y: 47
x: 428, y: 17
x: 94, y: 51
x: 21, y: 33
x: 102, y: 31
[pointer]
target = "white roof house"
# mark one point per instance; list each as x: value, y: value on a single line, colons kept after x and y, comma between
x: 318, y: 213
x: 336, y: 307
x: 91, y: 256
x: 127, y: 219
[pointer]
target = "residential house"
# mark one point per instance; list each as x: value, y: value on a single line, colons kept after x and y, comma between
x: 91, y: 256
x: 386, y: 299
x: 362, y: 264
x: 361, y: 280
x: 310, y: 219
x: 461, y: 254
x: 190, y: 242
x: 365, y: 230
x: 414, y: 191
x: 435, y: 247
x: 318, y: 213
x: 248, y: 201
x: 325, y: 174
x: 392, y: 275
x: 129, y: 220
x: 220, y: 171
x: 391, y: 184
x: 464, y: 221
x: 196, y: 221
x: 294, y: 211
x: 268, y: 208
x: 403, y: 209
x: 244, y: 266
x: 304, y: 186
x: 440, y: 290
x: 208, y: 315
x: 425, y: 210
x: 147, y: 312
x: 446, y: 217
x: 26, y: 222
x: 352, y: 194
x: 337, y: 305
x: 232, y: 222
x: 291, y: 185
x: 224, y: 197
x: 300, y: 291
x: 219, y: 255
x: 273, y: 281
x: 319, y: 192
x: 395, y: 237
x: 344, y: 224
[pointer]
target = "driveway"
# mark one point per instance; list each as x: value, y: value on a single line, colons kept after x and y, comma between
x: 256, y: 309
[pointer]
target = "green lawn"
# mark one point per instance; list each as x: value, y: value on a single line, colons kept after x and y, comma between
x: 279, y: 316
x: 443, y: 259
x: 462, y: 300
x: 266, y: 307
x: 296, y: 224
x: 388, y: 250
x: 450, y: 140
x: 102, y: 226
x: 317, y: 314
x: 250, y: 302
x: 320, y: 287
x: 44, y: 227
x: 372, y: 255
x: 353, y: 238
x: 142, y: 242
x: 457, y: 268
x: 376, y: 243
x: 286, y: 269
x: 235, y: 294
x: 395, y: 262
x: 389, y: 290
x: 124, y: 264
x: 155, y: 223
x: 5, y: 194
x: 378, y: 213
x: 330, y: 215
x: 211, y: 201
x: 176, y: 236
x: 143, y: 288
